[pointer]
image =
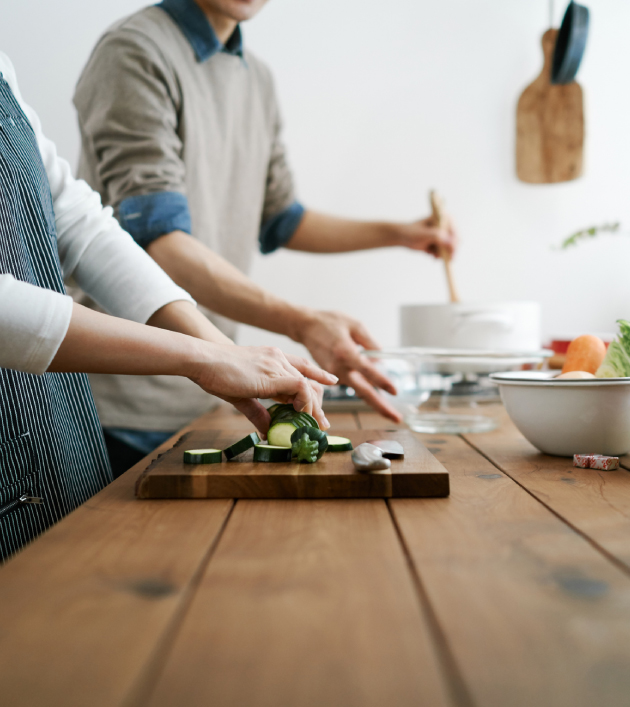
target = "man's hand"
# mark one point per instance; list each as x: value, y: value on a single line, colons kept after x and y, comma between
x: 241, y: 374
x: 426, y: 236
x: 332, y: 339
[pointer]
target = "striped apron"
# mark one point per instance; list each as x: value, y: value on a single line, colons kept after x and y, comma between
x: 52, y: 453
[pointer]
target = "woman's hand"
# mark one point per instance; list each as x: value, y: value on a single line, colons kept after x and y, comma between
x: 241, y: 374
x: 98, y: 343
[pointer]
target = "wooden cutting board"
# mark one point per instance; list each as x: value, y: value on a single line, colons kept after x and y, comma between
x: 549, y: 126
x: 419, y: 474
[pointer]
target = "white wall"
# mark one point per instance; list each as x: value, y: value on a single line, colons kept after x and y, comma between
x: 384, y: 100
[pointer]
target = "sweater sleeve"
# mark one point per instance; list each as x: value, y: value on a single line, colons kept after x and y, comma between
x: 33, y: 323
x: 103, y: 259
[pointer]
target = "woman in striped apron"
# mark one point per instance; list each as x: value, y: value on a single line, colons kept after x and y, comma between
x: 52, y: 454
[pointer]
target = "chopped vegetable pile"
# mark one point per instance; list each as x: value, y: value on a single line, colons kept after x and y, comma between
x: 292, y: 436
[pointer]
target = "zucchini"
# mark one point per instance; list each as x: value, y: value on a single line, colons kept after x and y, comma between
x: 202, y: 456
x: 290, y: 414
x: 284, y: 424
x: 308, y: 444
x: 279, y: 409
x: 241, y: 446
x: 279, y: 434
x: 312, y: 422
x: 339, y: 444
x: 271, y: 453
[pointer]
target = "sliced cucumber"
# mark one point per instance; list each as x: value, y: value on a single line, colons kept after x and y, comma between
x: 289, y: 414
x: 202, y: 456
x: 279, y: 434
x: 312, y: 422
x: 271, y: 453
x: 280, y: 409
x: 339, y: 444
x: 284, y: 423
x: 241, y: 446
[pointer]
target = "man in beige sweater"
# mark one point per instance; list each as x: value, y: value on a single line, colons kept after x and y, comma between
x: 181, y: 134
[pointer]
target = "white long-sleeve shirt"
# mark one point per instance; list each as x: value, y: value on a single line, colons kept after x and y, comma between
x: 102, y: 258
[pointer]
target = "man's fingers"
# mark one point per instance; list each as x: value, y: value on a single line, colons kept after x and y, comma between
x: 255, y: 412
x: 363, y: 337
x: 448, y: 244
x: 365, y: 391
x: 369, y: 371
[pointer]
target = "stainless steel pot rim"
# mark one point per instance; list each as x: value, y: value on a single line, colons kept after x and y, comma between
x: 548, y: 379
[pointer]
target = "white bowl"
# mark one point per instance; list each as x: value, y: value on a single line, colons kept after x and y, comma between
x: 568, y: 416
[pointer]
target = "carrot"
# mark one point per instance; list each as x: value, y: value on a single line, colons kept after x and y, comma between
x: 584, y: 354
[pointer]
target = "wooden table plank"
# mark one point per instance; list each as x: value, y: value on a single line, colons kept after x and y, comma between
x: 374, y: 421
x: 305, y: 604
x: 532, y: 612
x: 83, y: 608
x: 596, y: 503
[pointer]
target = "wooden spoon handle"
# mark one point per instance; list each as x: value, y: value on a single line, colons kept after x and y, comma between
x: 437, y: 208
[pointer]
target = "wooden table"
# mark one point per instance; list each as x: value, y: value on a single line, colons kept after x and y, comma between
x: 515, y: 591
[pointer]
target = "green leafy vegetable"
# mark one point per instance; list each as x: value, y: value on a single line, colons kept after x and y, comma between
x: 574, y: 238
x: 616, y: 363
x: 308, y: 444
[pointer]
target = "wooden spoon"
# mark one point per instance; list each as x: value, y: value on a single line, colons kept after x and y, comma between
x: 437, y: 207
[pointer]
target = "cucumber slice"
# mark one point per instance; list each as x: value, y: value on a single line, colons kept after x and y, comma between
x: 288, y: 414
x: 202, y: 456
x: 279, y: 434
x: 339, y: 444
x: 309, y: 419
x: 271, y: 453
x: 280, y: 409
x: 285, y: 422
x: 241, y: 446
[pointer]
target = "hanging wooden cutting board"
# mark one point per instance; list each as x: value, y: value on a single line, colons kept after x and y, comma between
x: 418, y: 474
x: 549, y: 126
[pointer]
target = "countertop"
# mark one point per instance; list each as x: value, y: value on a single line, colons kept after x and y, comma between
x: 514, y: 591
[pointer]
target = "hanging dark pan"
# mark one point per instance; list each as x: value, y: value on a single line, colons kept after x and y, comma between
x: 570, y: 44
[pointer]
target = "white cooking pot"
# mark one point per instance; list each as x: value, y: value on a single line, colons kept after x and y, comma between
x: 500, y: 326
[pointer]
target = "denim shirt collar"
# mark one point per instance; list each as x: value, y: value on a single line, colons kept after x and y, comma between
x: 190, y: 18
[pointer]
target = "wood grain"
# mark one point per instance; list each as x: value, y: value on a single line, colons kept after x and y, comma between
x: 549, y: 126
x: 305, y: 604
x: 374, y: 421
x: 334, y: 476
x: 597, y: 503
x: 84, y: 606
x: 532, y: 612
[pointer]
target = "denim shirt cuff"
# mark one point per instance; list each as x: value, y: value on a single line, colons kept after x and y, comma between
x: 279, y: 229
x: 149, y: 216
